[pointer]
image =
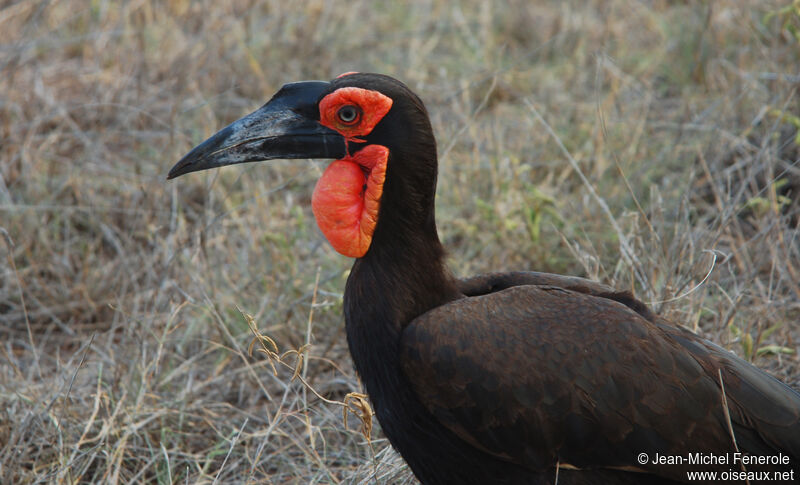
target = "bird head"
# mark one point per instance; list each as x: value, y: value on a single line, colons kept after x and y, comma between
x: 375, y: 128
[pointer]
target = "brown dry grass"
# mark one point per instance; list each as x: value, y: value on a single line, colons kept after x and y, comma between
x: 124, y: 358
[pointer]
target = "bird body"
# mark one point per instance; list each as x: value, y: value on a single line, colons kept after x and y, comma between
x: 502, y: 378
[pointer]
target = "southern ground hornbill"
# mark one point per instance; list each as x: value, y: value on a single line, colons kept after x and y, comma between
x: 508, y: 377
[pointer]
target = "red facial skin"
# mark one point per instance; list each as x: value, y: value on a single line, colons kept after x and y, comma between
x: 372, y: 107
x: 347, y: 197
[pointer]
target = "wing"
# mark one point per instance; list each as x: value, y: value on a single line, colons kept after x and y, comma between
x: 765, y: 413
x: 493, y: 282
x: 540, y: 375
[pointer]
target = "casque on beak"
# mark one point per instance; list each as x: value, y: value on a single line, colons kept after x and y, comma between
x: 286, y: 127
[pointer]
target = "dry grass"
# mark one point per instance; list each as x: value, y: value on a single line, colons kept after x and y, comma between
x: 124, y: 357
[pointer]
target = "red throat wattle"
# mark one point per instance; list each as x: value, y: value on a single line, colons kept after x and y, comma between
x: 347, y: 197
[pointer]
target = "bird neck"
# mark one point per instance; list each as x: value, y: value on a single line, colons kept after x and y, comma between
x: 385, y: 291
x: 402, y: 276
x: 405, y: 264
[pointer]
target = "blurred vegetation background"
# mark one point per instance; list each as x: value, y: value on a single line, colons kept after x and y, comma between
x: 652, y: 145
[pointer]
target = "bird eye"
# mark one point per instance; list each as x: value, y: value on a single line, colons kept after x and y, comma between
x: 348, y: 114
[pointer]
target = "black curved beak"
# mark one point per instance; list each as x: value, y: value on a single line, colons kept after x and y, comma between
x: 285, y: 127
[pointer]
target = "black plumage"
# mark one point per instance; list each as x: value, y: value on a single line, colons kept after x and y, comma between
x: 512, y: 377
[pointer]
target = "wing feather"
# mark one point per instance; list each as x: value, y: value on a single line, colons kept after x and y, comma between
x: 542, y: 374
